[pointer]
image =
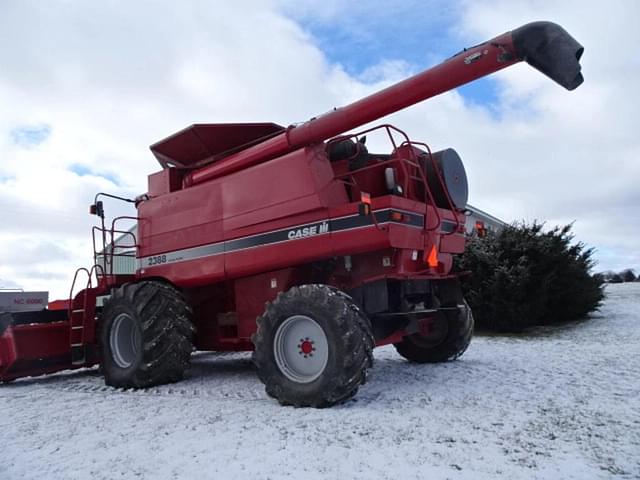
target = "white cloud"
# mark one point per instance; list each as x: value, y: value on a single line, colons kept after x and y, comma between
x: 111, y: 78
x: 577, y: 153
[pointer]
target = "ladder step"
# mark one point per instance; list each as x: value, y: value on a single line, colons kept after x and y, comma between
x: 77, y: 327
x: 77, y: 311
x: 77, y: 354
x: 73, y: 345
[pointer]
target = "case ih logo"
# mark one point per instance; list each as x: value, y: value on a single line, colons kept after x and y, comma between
x: 340, y: 224
x: 308, y: 231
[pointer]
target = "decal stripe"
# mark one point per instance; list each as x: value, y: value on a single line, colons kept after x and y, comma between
x: 298, y: 232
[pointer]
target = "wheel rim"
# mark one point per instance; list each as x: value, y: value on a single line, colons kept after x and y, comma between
x: 435, y: 338
x: 301, y: 349
x: 124, y: 340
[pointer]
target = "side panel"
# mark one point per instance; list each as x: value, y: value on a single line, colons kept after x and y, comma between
x: 180, y: 220
x: 283, y: 254
x: 205, y: 222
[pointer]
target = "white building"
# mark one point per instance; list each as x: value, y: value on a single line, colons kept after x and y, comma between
x: 479, y: 221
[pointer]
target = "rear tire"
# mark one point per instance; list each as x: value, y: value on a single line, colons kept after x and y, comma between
x: 145, y: 335
x: 313, y: 347
x: 459, y: 330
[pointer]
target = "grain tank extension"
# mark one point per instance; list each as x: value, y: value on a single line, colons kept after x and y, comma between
x: 296, y: 243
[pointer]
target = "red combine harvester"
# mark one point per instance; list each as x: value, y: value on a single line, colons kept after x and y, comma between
x: 295, y: 243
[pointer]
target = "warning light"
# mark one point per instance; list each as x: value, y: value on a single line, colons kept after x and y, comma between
x: 432, y: 259
x: 397, y: 216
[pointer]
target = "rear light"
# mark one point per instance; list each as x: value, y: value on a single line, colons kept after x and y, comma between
x: 480, y: 229
x: 397, y: 216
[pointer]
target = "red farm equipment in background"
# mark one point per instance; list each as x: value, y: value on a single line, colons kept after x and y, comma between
x: 295, y: 243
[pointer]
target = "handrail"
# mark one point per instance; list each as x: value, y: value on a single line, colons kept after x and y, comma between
x: 400, y: 162
x: 109, y: 250
x: 71, y: 298
x: 388, y: 129
x: 70, y: 309
x: 104, y: 232
x: 452, y: 207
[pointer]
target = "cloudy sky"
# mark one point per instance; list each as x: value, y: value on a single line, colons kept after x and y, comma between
x: 87, y: 86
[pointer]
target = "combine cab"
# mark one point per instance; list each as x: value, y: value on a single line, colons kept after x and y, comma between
x: 296, y: 243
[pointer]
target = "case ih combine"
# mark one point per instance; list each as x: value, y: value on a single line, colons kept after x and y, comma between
x: 295, y: 243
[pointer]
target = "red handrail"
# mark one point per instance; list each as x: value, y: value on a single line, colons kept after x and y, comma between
x: 108, y: 251
x: 399, y: 162
x: 452, y: 207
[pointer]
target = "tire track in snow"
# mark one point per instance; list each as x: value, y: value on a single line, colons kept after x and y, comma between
x: 218, y: 394
x: 216, y: 376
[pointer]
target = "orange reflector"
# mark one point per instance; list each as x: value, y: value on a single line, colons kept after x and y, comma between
x: 432, y: 259
x: 365, y: 198
x: 396, y: 216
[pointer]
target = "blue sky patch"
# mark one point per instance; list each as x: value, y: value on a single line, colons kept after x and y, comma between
x: 85, y: 171
x: 420, y: 33
x: 28, y: 136
x: 483, y: 91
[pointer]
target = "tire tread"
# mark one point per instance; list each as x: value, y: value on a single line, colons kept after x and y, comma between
x: 165, y: 320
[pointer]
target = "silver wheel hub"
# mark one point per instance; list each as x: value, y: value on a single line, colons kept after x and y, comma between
x: 124, y: 340
x: 301, y: 349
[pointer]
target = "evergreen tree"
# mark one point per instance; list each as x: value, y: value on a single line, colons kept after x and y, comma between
x: 523, y: 276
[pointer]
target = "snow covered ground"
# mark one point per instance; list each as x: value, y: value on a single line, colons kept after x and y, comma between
x: 559, y: 403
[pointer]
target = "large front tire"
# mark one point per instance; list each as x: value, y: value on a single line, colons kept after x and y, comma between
x: 313, y: 347
x: 146, y: 335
